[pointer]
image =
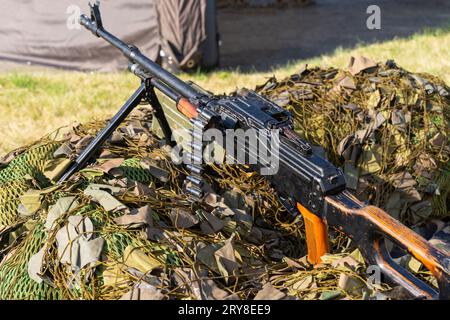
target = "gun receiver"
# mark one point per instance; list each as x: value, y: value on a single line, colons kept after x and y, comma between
x: 312, y: 184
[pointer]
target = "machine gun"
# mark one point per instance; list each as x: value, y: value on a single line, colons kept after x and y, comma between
x: 305, y: 181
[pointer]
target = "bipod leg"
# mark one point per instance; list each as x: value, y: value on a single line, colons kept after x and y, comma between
x: 115, y: 122
x: 152, y: 98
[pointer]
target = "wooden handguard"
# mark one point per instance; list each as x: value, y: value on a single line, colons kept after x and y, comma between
x: 187, y: 108
x: 369, y: 226
x: 316, y: 235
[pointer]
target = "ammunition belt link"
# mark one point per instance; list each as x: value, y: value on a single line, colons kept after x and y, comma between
x: 194, y: 183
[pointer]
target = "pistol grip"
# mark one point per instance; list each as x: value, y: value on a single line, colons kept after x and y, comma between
x: 316, y: 235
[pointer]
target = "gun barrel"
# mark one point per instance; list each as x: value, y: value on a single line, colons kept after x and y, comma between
x: 133, y: 54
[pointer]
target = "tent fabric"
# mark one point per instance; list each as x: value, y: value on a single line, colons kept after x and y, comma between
x: 40, y: 32
x: 182, y: 30
x: 37, y: 31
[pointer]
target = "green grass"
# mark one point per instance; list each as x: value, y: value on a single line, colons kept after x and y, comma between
x: 34, y: 103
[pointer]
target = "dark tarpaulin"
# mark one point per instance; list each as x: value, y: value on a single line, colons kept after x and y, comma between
x: 182, y: 30
x: 37, y: 31
x: 44, y: 32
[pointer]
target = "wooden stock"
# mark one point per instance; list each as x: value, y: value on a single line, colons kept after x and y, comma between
x: 371, y: 225
x: 316, y: 235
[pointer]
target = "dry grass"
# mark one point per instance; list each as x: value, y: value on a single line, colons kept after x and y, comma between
x: 33, y: 103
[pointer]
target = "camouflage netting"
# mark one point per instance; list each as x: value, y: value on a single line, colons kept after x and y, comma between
x: 123, y: 229
x: 386, y: 127
x: 17, y: 178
